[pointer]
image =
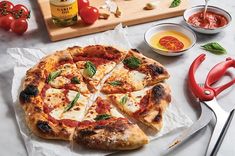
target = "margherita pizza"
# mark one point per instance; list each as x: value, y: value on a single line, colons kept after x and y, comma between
x: 57, y: 97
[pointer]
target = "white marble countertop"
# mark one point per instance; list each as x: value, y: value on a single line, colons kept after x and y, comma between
x: 11, y: 142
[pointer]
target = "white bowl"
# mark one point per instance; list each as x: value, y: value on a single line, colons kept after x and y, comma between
x: 189, y: 12
x: 169, y: 26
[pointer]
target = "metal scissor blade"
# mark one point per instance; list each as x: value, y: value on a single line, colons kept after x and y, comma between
x: 222, y: 124
x: 205, y: 118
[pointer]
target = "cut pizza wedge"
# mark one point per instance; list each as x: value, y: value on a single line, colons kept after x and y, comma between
x: 54, y: 113
x: 105, y: 128
x: 94, y: 62
x: 134, y: 73
x: 146, y: 106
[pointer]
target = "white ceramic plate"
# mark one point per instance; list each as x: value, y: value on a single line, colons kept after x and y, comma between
x: 169, y: 26
x: 189, y: 12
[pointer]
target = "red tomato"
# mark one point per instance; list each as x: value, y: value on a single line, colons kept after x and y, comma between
x: 171, y: 43
x: 83, y: 4
x: 19, y: 26
x: 5, y: 21
x: 20, y: 11
x: 8, y: 6
x: 89, y: 14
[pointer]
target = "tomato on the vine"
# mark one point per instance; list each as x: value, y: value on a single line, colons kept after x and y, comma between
x: 6, y: 6
x: 5, y: 21
x: 83, y: 4
x: 20, y: 11
x: 19, y: 26
x: 89, y: 14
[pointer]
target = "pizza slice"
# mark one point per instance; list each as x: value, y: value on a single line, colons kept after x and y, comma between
x: 134, y: 73
x: 53, y: 113
x: 94, y: 62
x: 105, y: 128
x: 146, y: 106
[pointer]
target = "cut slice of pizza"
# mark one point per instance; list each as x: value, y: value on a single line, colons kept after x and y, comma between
x: 53, y: 113
x: 94, y: 62
x: 63, y: 73
x: 105, y: 128
x: 134, y: 73
x: 146, y: 106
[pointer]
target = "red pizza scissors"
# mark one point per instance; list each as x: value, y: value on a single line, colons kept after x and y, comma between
x: 210, y: 108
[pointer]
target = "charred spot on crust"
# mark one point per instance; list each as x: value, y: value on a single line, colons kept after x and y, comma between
x: 28, y: 92
x: 24, y: 97
x: 43, y: 126
x: 135, y: 50
x: 31, y: 90
x: 86, y: 132
x: 155, y: 70
x: 37, y: 109
x: 158, y: 92
x: 100, y: 127
x: 157, y: 118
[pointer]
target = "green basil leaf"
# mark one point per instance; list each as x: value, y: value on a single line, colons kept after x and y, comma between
x: 102, y: 117
x: 75, y: 80
x: 175, y: 3
x: 115, y: 83
x: 215, y: 48
x: 124, y: 100
x: 132, y: 62
x: 53, y: 75
x: 90, y: 69
x: 72, y: 103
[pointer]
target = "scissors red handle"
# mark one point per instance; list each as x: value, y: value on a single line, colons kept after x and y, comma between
x: 207, y: 92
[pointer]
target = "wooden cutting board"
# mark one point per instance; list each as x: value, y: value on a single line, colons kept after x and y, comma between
x: 132, y: 14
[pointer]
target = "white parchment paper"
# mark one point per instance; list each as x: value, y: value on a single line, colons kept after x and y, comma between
x: 174, y: 118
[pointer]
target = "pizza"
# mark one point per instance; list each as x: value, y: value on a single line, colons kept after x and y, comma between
x: 104, y: 127
x: 134, y: 73
x: 146, y: 106
x: 58, y: 97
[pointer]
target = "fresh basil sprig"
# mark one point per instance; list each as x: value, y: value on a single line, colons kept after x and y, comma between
x: 72, y: 103
x: 175, y: 3
x: 215, y: 48
x: 115, y: 83
x: 53, y: 75
x: 102, y: 117
x: 75, y: 80
x: 90, y: 69
x: 132, y: 62
x: 124, y: 100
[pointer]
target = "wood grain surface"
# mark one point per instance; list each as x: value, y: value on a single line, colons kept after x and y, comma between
x: 132, y: 14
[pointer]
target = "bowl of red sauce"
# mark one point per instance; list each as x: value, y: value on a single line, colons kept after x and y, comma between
x: 215, y: 20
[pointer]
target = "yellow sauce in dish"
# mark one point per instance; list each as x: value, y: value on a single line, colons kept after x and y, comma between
x: 154, y: 41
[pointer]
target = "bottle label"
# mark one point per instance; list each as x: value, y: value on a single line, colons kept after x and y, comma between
x: 67, y: 11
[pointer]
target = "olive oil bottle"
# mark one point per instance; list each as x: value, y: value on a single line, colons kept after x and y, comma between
x: 64, y: 12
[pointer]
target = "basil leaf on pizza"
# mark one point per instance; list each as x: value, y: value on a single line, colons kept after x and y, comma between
x: 90, y: 69
x: 115, y: 83
x: 102, y: 117
x: 53, y: 75
x: 132, y: 62
x: 123, y: 100
x: 75, y: 80
x: 72, y: 103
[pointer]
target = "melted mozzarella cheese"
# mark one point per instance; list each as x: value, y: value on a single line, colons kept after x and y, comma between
x: 82, y: 88
x: 54, y: 97
x: 137, y: 79
x: 72, y: 94
x: 138, y: 95
x: 59, y: 82
x: 115, y: 113
x: 131, y: 106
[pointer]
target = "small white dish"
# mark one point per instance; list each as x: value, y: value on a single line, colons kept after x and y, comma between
x: 169, y: 27
x: 189, y: 12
